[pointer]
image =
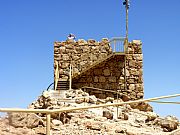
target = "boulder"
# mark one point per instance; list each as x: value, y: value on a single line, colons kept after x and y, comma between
x: 79, y: 100
x: 108, y: 114
x: 120, y: 129
x: 93, y: 125
x: 169, y: 123
x: 151, y: 116
x: 109, y: 99
x: 125, y: 98
x: 142, y: 106
x: 24, y: 120
x: 40, y: 130
x: 65, y: 118
x: 56, y: 122
x: 123, y: 116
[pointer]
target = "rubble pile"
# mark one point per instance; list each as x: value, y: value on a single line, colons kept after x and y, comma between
x: 134, y: 119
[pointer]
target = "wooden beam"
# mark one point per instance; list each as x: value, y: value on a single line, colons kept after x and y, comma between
x: 48, y: 123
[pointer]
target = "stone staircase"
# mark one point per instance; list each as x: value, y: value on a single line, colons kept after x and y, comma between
x: 95, y: 64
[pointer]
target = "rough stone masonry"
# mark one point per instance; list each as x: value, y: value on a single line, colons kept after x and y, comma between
x: 108, y: 74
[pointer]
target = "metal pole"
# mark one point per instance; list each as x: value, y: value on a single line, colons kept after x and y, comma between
x: 117, y: 102
x: 125, y: 77
x: 70, y: 78
x: 126, y: 3
x: 48, y: 123
x: 127, y: 20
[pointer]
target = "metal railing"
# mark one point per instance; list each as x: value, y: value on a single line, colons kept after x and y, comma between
x: 69, y: 109
x: 118, y: 44
x: 70, y: 76
x: 56, y: 75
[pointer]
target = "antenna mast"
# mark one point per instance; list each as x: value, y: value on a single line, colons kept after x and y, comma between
x: 126, y: 3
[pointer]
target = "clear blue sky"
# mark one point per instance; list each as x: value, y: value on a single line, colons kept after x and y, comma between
x: 29, y: 28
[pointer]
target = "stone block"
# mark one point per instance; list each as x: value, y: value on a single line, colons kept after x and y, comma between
x: 139, y: 64
x: 129, y: 57
x: 75, y: 57
x: 132, y: 87
x: 62, y: 49
x: 122, y: 86
x: 82, y: 63
x: 105, y: 40
x: 140, y: 79
x: 130, y: 50
x: 97, y: 71
x: 127, y: 72
x: 138, y: 57
x: 106, y: 72
x: 131, y: 80
x: 120, y: 65
x: 93, y: 57
x: 89, y: 79
x: 112, y: 79
x: 82, y: 80
x: 64, y: 65
x: 137, y: 42
x: 139, y: 87
x: 106, y: 86
x: 56, y: 50
x: 65, y: 57
x: 91, y: 42
x: 134, y: 72
x: 96, y: 79
x: 84, y: 57
x: 102, y: 79
x: 140, y: 95
x: 132, y: 63
x: 85, y: 49
x: 102, y: 56
x: 82, y: 42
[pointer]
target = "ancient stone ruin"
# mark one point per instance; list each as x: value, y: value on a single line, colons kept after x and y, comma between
x: 102, y: 74
x: 96, y: 65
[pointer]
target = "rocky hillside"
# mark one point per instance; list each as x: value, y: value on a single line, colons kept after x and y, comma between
x: 133, y: 119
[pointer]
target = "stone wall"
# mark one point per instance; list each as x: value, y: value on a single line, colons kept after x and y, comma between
x: 80, y: 54
x: 105, y: 75
x: 108, y: 74
x: 134, y: 73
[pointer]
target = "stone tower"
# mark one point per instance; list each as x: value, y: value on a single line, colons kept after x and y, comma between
x: 98, y: 69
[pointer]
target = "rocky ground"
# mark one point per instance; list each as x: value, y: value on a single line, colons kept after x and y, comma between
x: 134, y: 119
